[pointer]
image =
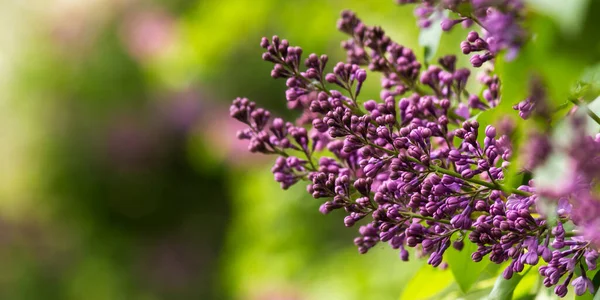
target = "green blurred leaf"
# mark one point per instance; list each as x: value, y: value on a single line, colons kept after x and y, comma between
x: 569, y: 15
x: 429, y: 37
x: 529, y: 285
x: 466, y: 272
x: 465, y: 9
x: 588, y: 87
x: 548, y: 57
x: 504, y: 289
x: 514, y: 77
x: 427, y: 283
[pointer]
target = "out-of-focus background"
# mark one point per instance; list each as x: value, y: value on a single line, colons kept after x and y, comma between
x: 121, y: 177
x: 120, y: 174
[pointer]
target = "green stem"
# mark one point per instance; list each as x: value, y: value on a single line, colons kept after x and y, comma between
x: 390, y: 152
x: 477, y: 22
x: 309, y: 158
x: 589, y: 112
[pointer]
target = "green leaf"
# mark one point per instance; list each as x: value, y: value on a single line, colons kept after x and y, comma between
x: 427, y: 283
x: 504, y: 289
x: 530, y: 284
x: 429, y: 37
x: 514, y: 76
x: 466, y: 272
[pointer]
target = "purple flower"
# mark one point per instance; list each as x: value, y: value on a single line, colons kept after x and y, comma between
x: 414, y: 167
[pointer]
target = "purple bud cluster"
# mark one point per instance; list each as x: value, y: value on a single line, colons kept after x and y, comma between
x: 415, y: 169
x: 500, y: 22
x: 573, y: 254
x: 370, y: 46
x: 275, y: 137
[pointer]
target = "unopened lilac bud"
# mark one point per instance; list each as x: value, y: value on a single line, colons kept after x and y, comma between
x: 403, y: 254
x: 319, y: 125
x: 361, y: 75
x: 560, y: 290
x: 312, y: 73
x: 508, y: 272
x: 472, y: 36
x: 445, y: 103
x: 278, y: 124
x: 427, y: 245
x: 435, y: 259
x: 476, y: 60
x: 331, y: 78
x: 468, y: 173
x: 447, y: 24
x: 267, y: 57
x: 370, y: 105
x: 465, y: 47
x: 323, y: 58
x: 264, y: 42
x: 349, y: 221
x: 490, y: 131
x: 312, y: 60
x: 481, y: 205
x: 545, y: 253
x: 518, y: 266
x: 324, y: 208
x: 275, y: 40
x: 512, y: 215
x: 458, y: 245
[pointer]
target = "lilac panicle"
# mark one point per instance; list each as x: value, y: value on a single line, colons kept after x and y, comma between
x: 414, y: 168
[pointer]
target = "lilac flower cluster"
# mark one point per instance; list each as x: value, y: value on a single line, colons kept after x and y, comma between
x: 415, y: 169
x: 500, y: 21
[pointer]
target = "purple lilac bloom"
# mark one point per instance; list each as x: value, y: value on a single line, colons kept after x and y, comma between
x: 414, y: 166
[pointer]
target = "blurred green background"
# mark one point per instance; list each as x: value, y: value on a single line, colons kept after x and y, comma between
x: 121, y: 177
